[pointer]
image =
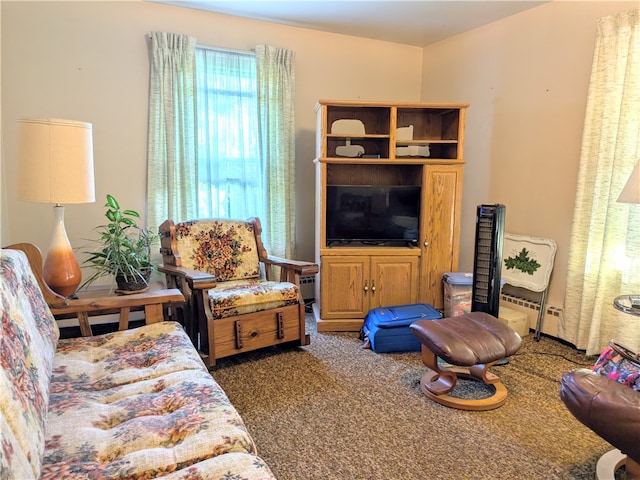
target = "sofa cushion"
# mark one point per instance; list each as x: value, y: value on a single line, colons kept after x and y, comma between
x: 137, y: 404
x: 231, y: 466
x: 27, y: 344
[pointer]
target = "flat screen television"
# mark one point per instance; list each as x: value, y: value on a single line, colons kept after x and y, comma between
x: 373, y: 214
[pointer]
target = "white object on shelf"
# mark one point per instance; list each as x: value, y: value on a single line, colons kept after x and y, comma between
x: 349, y: 150
x: 348, y: 126
x: 413, y: 151
x: 404, y: 133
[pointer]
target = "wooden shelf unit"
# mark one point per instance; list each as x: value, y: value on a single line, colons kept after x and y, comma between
x: 354, y: 277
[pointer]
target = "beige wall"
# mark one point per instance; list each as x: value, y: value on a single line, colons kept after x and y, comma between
x: 88, y: 61
x: 526, y: 79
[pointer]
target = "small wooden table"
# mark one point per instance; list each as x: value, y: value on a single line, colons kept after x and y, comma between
x: 104, y: 302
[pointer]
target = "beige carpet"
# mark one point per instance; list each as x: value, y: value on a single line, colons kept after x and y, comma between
x: 332, y: 410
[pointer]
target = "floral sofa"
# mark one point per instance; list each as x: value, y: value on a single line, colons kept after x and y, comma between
x: 128, y: 405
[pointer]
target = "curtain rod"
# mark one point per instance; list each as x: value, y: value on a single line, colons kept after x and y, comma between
x: 228, y: 50
x: 220, y: 49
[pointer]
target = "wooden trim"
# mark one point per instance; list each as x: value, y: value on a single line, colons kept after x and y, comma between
x: 34, y: 255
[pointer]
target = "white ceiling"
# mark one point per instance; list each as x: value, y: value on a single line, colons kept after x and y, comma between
x: 416, y: 22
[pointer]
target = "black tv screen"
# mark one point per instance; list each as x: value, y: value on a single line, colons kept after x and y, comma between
x: 375, y: 214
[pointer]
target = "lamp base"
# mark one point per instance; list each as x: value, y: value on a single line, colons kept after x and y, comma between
x: 61, y: 270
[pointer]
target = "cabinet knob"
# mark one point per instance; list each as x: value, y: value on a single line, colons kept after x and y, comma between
x: 373, y: 287
x: 426, y: 243
x: 366, y: 287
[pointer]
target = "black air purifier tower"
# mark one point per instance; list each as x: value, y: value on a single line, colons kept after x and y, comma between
x: 487, y: 260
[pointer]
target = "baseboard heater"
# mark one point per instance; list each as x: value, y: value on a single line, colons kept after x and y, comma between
x: 530, y: 307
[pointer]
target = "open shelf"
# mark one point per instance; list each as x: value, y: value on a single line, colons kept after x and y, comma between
x: 386, y: 145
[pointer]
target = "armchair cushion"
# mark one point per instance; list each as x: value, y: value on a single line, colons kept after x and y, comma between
x: 228, y: 250
x: 238, y: 297
x: 224, y: 248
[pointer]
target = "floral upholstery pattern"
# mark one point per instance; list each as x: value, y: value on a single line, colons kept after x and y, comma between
x: 247, y: 296
x: 227, y: 249
x: 224, y: 248
x: 126, y: 405
x: 26, y: 359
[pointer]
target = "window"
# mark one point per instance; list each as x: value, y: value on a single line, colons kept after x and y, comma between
x: 222, y: 136
x: 230, y: 174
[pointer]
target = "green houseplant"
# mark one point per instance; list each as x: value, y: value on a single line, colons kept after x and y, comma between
x: 124, y: 250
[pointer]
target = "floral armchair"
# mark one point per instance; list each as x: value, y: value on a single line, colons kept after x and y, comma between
x: 223, y: 269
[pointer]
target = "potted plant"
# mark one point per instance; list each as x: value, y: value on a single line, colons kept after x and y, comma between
x: 124, y: 250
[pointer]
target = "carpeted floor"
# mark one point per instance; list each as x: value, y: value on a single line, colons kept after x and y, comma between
x: 332, y: 410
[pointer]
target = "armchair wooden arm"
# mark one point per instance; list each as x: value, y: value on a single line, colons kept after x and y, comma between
x: 298, y: 266
x: 291, y: 270
x: 194, y: 278
x: 194, y: 285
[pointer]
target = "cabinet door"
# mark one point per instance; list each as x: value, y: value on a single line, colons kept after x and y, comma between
x: 344, y: 288
x: 442, y: 196
x: 394, y: 281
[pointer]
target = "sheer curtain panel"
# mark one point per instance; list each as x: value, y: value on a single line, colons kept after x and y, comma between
x: 604, y: 254
x: 171, y: 151
x: 276, y: 102
x: 231, y: 173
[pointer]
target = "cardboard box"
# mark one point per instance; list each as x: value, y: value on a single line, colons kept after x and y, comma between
x: 518, y: 321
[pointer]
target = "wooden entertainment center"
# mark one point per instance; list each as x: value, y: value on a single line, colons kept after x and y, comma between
x: 387, y: 144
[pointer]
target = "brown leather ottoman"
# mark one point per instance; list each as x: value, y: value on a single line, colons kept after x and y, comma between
x: 476, y: 340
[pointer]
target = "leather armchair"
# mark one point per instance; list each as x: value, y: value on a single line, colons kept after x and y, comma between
x: 611, y: 410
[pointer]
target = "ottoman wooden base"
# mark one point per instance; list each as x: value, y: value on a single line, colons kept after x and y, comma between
x: 475, y: 341
x: 437, y: 382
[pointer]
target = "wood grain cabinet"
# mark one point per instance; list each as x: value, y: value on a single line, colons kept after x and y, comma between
x: 356, y: 283
x: 388, y: 199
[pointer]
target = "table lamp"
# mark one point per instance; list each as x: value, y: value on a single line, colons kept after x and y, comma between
x: 55, y: 165
x: 630, y: 194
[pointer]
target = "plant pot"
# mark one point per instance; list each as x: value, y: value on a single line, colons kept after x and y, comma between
x: 133, y: 284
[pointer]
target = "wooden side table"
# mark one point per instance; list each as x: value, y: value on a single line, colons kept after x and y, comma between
x: 628, y: 304
x: 104, y: 302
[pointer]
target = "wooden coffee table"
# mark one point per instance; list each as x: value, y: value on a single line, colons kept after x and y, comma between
x: 103, y: 302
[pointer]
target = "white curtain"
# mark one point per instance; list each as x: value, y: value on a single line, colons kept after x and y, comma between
x: 231, y: 172
x: 604, y: 255
x: 171, y: 150
x: 276, y: 102
x: 173, y: 177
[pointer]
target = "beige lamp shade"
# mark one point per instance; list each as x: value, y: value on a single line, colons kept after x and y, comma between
x: 55, y: 165
x: 631, y: 191
x: 55, y: 161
